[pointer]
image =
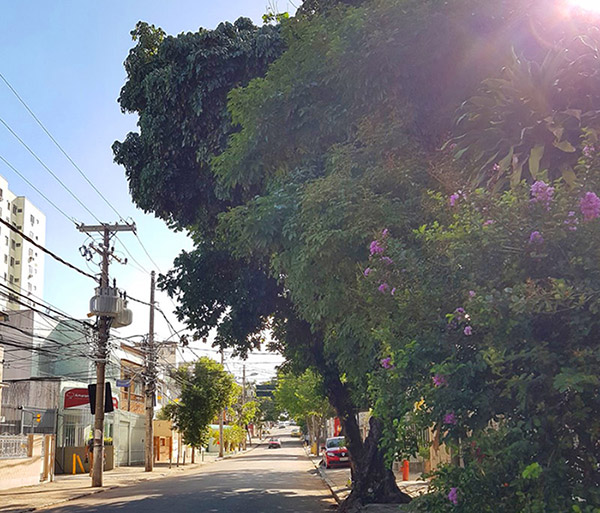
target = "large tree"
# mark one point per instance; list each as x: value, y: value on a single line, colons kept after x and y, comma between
x: 336, y: 141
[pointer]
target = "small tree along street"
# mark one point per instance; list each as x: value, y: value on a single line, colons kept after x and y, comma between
x: 303, y: 398
x: 206, y: 389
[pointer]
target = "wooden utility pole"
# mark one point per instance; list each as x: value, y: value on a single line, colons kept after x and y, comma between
x: 243, y: 385
x: 102, y: 353
x: 150, y: 383
x: 221, y: 413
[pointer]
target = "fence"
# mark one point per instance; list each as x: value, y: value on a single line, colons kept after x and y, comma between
x: 12, y: 447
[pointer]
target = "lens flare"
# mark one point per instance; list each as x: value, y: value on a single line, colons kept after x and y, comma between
x: 586, y: 5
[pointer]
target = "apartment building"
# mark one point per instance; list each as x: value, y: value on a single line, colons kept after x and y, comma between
x: 21, y: 262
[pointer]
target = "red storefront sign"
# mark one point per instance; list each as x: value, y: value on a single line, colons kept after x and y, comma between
x: 79, y: 398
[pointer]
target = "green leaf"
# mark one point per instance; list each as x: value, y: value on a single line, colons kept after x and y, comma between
x: 568, y: 175
x: 535, y: 156
x: 565, y: 146
x: 532, y: 471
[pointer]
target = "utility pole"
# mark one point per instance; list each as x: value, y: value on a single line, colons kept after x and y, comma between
x: 243, y: 385
x: 221, y: 413
x: 102, y: 353
x: 150, y: 383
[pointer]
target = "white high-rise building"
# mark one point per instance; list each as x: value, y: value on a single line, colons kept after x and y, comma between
x: 21, y: 262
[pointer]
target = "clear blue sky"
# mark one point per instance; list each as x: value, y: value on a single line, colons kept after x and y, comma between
x: 65, y: 59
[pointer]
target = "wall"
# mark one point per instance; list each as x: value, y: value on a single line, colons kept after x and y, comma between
x: 64, y: 459
x: 27, y: 471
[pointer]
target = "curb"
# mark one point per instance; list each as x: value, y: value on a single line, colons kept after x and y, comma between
x: 334, y: 491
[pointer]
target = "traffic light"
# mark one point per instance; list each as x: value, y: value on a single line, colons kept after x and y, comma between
x: 38, y: 418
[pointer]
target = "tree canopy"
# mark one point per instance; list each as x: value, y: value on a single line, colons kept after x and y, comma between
x: 206, y: 389
x: 329, y: 211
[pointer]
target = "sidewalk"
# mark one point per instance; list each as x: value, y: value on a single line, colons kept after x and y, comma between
x: 68, y: 487
x: 338, y: 481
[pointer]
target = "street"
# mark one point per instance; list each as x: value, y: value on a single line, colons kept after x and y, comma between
x: 263, y: 480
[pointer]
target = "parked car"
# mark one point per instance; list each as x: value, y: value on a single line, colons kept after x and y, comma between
x: 296, y: 432
x: 274, y: 443
x: 336, y: 452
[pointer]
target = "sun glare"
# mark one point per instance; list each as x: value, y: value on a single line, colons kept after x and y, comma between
x: 587, y: 5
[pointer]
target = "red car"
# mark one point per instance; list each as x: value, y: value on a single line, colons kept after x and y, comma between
x: 274, y: 443
x: 336, y: 452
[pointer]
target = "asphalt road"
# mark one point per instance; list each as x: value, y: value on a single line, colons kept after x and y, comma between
x: 260, y: 481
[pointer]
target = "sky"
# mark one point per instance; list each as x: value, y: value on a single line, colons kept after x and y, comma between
x: 65, y: 60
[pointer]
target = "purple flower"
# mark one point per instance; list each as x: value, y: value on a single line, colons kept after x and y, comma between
x: 384, y: 287
x: 387, y: 260
x: 450, y: 418
x: 385, y: 233
x: 367, y: 271
x: 460, y: 313
x: 453, y: 495
x: 375, y: 248
x: 439, y: 380
x: 542, y: 193
x: 386, y: 363
x: 472, y: 293
x: 536, y: 238
x: 496, y: 167
x: 393, y: 291
x: 453, y: 199
x: 588, y: 151
x: 590, y: 206
x: 468, y: 331
x: 571, y: 221
x: 489, y: 222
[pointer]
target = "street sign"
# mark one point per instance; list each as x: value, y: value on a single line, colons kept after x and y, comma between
x: 125, y: 383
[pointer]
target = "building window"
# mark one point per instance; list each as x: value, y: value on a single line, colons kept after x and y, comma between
x: 19, y: 210
x: 12, y: 260
x: 12, y: 278
x: 13, y: 244
x: 32, y: 219
x: 6, y: 259
x: 31, y: 252
x: 29, y: 287
x: 14, y: 209
x: 6, y: 240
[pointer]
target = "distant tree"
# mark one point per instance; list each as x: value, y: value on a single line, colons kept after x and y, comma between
x: 268, y: 409
x: 305, y: 400
x: 206, y: 389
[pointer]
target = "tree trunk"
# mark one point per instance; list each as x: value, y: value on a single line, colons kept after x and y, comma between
x: 372, y: 482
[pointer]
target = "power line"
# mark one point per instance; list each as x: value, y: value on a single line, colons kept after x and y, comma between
x: 147, y: 253
x: 47, y: 251
x: 49, y: 308
x: 16, y: 136
x: 59, y: 146
x: 60, y: 210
